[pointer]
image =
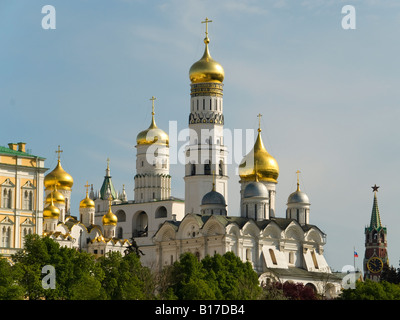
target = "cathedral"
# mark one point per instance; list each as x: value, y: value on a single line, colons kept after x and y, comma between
x: 287, y: 248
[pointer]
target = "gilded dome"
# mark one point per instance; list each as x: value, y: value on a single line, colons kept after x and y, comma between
x: 152, y: 135
x: 206, y: 69
x: 51, y: 212
x: 86, y: 203
x: 110, y: 218
x: 56, y: 196
x: 58, y: 177
x: 259, y: 162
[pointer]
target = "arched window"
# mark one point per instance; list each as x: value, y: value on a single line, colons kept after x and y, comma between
x: 161, y: 212
x: 221, y: 168
x: 193, y: 169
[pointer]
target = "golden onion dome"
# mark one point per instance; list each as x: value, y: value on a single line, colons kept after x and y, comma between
x: 56, y: 196
x: 51, y: 211
x: 86, y: 203
x: 206, y: 69
x: 153, y: 134
x: 110, y: 218
x: 58, y: 177
x: 259, y: 164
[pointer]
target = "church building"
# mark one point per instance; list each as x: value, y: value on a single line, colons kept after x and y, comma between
x: 286, y: 248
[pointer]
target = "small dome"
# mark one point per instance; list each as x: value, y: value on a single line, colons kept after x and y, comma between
x: 255, y: 189
x: 51, y: 212
x: 258, y: 162
x: 57, y: 197
x: 298, y: 197
x: 86, y: 203
x: 110, y: 218
x: 152, y: 135
x: 206, y: 69
x: 58, y: 177
x: 213, y: 197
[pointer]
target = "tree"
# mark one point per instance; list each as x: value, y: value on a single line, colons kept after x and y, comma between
x: 9, y: 287
x: 189, y: 279
x: 75, y: 272
x: 390, y: 274
x: 235, y: 279
x: 125, y: 277
x: 372, y: 290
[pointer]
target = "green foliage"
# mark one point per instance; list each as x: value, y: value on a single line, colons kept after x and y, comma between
x: 125, y: 278
x: 371, y: 290
x: 218, y: 277
x: 9, y: 288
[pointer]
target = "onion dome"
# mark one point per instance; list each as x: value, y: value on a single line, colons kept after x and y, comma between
x: 255, y: 189
x: 55, y: 196
x: 213, y: 197
x: 51, y: 211
x: 87, y: 202
x: 153, y: 134
x: 206, y: 69
x: 298, y: 196
x: 110, y: 218
x: 58, y: 177
x: 267, y: 167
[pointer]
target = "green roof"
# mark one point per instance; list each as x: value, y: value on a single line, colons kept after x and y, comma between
x: 8, y: 151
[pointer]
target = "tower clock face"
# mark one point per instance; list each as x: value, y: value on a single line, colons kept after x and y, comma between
x: 375, y: 264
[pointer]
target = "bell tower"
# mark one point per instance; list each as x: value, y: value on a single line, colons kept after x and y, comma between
x: 376, y: 255
x: 206, y: 152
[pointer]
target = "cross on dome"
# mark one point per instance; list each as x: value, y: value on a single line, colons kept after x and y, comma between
x: 206, y: 21
x: 59, y: 151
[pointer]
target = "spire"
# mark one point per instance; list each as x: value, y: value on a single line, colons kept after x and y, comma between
x: 375, y: 216
x: 107, y: 187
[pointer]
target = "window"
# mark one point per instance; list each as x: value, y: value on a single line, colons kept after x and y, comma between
x: 6, y: 236
x: 248, y: 254
x: 273, y: 258
x: 314, y: 258
x: 221, y: 166
x: 7, y: 198
x: 193, y: 169
x: 207, y: 169
x: 291, y: 257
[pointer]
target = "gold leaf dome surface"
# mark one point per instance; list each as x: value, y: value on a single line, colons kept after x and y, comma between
x: 110, y: 218
x: 258, y: 162
x: 51, y: 212
x: 206, y: 69
x: 152, y: 135
x: 56, y: 196
x: 58, y: 177
x: 86, y: 203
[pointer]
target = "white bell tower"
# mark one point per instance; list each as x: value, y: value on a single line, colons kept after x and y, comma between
x: 205, y: 153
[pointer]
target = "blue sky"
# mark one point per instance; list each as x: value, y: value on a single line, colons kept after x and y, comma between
x: 328, y: 96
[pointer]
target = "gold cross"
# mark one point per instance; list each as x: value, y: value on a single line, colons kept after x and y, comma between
x: 108, y: 163
x: 298, y: 183
x: 87, y: 187
x: 206, y: 22
x: 109, y: 200
x: 59, y: 152
x: 152, y: 99
x: 259, y: 122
